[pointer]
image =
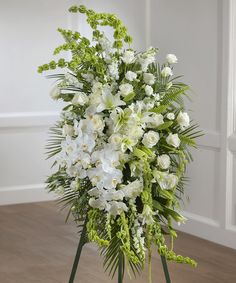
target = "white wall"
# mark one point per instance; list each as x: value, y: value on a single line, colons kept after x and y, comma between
x: 201, y: 33
x: 28, y: 37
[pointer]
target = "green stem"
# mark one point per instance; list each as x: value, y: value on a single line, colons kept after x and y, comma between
x: 165, y: 269
x: 78, y: 253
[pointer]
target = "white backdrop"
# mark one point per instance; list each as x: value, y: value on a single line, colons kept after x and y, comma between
x: 202, y: 35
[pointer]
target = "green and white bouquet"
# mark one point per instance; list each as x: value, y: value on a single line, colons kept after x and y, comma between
x: 122, y: 143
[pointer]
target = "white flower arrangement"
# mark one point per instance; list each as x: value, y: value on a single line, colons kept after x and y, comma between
x: 122, y: 144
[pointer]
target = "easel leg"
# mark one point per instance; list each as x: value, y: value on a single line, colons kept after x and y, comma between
x: 165, y: 269
x: 120, y: 269
x: 78, y: 254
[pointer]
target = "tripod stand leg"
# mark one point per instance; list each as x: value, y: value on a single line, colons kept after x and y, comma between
x: 78, y: 254
x: 165, y: 269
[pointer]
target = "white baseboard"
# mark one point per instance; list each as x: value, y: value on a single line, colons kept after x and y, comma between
x: 24, y: 194
x: 208, y: 229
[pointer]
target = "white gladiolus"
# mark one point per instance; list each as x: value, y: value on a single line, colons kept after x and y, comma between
x: 80, y: 99
x: 117, y: 207
x: 170, y: 116
x: 67, y: 130
x: 128, y: 57
x: 183, y: 119
x: 149, y: 78
x: 133, y: 189
x: 147, y: 215
x: 165, y: 180
x: 148, y: 90
x: 55, y: 93
x: 126, y: 89
x: 173, y: 140
x: 114, y: 70
x: 130, y: 76
x: 166, y: 72
x: 163, y: 161
x: 150, y: 139
x: 171, y: 58
x: 97, y: 203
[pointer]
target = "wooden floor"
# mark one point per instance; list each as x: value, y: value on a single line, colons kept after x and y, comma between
x: 36, y: 246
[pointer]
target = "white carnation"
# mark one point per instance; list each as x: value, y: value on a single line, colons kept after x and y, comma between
x: 80, y: 99
x: 130, y: 76
x: 166, y: 72
x: 173, y: 140
x: 148, y: 90
x: 163, y: 161
x: 171, y: 58
x: 126, y: 89
x: 149, y: 78
x: 128, y: 57
x: 170, y: 116
x: 150, y: 139
x: 183, y: 119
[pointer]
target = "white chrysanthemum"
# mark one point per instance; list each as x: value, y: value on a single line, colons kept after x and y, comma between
x: 170, y: 116
x: 130, y: 76
x: 128, y: 57
x: 126, y: 89
x: 171, y: 58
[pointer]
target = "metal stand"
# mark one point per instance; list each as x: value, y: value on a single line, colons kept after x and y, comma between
x: 83, y: 240
x: 165, y: 269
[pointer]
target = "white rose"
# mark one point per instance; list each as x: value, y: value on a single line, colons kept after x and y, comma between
x: 172, y: 180
x: 183, y: 119
x: 170, y: 116
x: 150, y: 139
x: 130, y: 76
x: 173, y: 139
x: 166, y: 181
x: 67, y: 130
x: 163, y: 161
x: 55, y: 92
x: 149, y: 78
x: 80, y: 99
x: 171, y: 58
x: 148, y: 90
x: 126, y: 89
x: 166, y: 72
x: 128, y: 57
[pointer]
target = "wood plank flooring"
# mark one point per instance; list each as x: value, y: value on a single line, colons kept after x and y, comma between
x: 36, y: 246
